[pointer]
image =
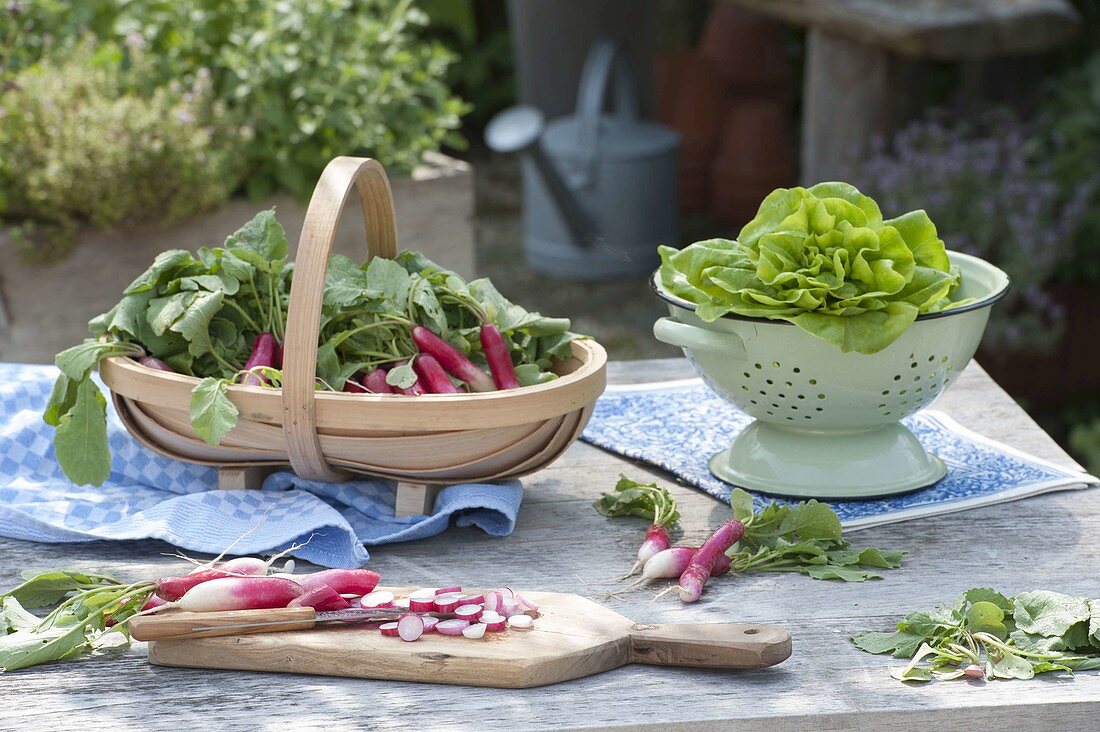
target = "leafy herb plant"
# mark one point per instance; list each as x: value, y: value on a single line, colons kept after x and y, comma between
x: 984, y: 634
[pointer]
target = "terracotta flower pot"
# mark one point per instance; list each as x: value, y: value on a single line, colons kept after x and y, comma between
x: 754, y: 157
x: 747, y: 49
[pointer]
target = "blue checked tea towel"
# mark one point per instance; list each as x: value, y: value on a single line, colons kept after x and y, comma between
x: 678, y: 425
x: 150, y: 496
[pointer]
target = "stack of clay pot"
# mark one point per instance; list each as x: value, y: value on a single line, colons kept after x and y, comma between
x: 728, y: 100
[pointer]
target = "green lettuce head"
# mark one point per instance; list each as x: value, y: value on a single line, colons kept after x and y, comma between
x: 824, y: 259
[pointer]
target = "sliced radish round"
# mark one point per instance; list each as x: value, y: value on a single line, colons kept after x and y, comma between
x: 451, y: 627
x: 377, y: 599
x: 522, y: 622
x: 468, y: 612
x: 388, y: 629
x: 401, y: 603
x: 449, y: 590
x: 472, y: 599
x: 506, y: 593
x: 426, y: 593
x: 525, y: 602
x: 477, y: 630
x: 492, y: 621
x: 492, y: 600
x: 410, y: 627
x: 447, y: 603
x: 422, y: 605
x: 508, y: 608
x: 430, y: 623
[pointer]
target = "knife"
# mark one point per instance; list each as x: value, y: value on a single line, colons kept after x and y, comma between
x: 178, y: 625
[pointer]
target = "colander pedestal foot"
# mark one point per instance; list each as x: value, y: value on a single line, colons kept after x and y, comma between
x: 827, y: 464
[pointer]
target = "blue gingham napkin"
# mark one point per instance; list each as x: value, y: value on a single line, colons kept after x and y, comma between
x: 679, y: 425
x: 149, y: 496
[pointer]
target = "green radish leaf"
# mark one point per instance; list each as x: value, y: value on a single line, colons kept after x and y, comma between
x: 837, y: 572
x: 47, y: 588
x: 346, y: 283
x: 530, y: 374
x: 742, y: 504
x: 78, y: 361
x: 1049, y: 613
x: 897, y: 643
x: 14, y: 618
x: 812, y: 520
x: 213, y: 415
x: 164, y: 311
x: 80, y: 440
x: 24, y: 648
x: 389, y: 278
x: 1011, y: 666
x: 160, y: 271
x: 645, y: 500
x: 984, y: 594
x: 402, y: 376
x: 61, y: 400
x: 261, y: 242
x: 194, y: 324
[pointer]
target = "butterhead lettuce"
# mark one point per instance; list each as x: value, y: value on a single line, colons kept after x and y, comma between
x: 824, y: 259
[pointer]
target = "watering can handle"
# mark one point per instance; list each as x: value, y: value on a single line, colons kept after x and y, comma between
x: 682, y: 335
x: 603, y: 60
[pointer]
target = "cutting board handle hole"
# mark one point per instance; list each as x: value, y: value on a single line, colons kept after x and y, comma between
x: 751, y: 631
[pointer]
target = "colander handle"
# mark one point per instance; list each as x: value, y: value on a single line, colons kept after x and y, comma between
x: 675, y: 333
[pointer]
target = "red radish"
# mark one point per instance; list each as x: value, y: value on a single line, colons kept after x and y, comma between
x: 429, y: 623
x: 721, y: 565
x: 508, y: 608
x: 668, y: 563
x: 173, y: 588
x: 446, y: 603
x: 452, y: 360
x: 388, y: 629
x: 418, y: 605
x: 263, y: 354
x: 239, y: 593
x: 492, y: 601
x: 448, y: 590
x: 344, y: 581
x: 477, y: 630
x: 451, y: 627
x: 253, y: 566
x: 321, y: 599
x: 699, y: 568
x: 152, y: 603
x: 974, y: 671
x: 351, y: 386
x: 493, y: 622
x: 656, y: 540
x: 499, y: 358
x: 375, y: 382
x: 378, y: 599
x: 155, y: 363
x: 468, y: 612
x: 410, y: 627
x: 523, y: 622
x: 415, y: 390
x: 471, y: 599
x: 432, y: 376
x: 279, y: 357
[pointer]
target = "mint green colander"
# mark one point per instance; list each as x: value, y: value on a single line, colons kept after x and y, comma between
x: 827, y: 421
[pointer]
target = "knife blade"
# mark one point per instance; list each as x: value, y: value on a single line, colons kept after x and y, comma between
x: 179, y: 625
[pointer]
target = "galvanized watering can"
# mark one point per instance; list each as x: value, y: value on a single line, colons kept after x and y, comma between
x: 599, y: 188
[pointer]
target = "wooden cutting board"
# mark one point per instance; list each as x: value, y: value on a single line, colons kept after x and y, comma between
x: 573, y: 637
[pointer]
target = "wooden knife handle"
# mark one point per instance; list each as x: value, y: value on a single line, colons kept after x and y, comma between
x: 182, y: 625
x: 710, y: 645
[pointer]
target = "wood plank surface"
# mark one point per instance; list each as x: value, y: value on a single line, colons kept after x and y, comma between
x: 560, y: 543
x: 934, y: 29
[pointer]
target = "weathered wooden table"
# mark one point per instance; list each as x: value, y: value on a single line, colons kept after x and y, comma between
x: 856, y: 85
x: 1045, y: 542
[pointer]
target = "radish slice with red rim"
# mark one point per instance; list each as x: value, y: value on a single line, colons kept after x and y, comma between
x: 477, y: 630
x: 401, y: 603
x: 472, y: 600
x: 492, y: 601
x: 410, y: 627
x: 451, y: 627
x: 420, y: 605
x: 449, y: 590
x: 426, y: 593
x: 468, y: 612
x: 430, y: 623
x: 525, y: 602
x: 388, y: 629
x: 377, y: 599
x: 522, y: 622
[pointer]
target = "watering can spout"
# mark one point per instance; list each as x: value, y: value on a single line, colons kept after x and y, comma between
x: 519, y: 130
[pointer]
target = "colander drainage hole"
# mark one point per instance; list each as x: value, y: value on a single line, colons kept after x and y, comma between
x: 782, y: 396
x: 807, y: 417
x: 758, y: 366
x: 788, y: 383
x: 769, y: 382
x: 813, y: 382
x: 790, y: 419
x: 913, y: 365
x: 801, y: 396
x: 771, y: 413
x: 775, y: 364
x: 931, y: 359
x: 744, y: 388
x: 820, y: 396
x: 775, y: 406
x: 901, y: 392
x: 763, y: 393
x: 818, y: 409
x: 897, y: 377
x: 886, y: 392
x: 882, y: 406
x: 752, y: 401
x: 747, y: 375
x: 797, y: 370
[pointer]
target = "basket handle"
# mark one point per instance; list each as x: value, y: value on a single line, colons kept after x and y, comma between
x: 303, y: 321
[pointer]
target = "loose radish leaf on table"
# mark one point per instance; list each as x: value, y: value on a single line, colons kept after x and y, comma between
x: 984, y: 634
x: 805, y: 537
x: 644, y: 500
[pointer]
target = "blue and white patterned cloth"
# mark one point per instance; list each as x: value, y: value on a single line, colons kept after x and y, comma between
x: 679, y: 425
x: 149, y: 496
